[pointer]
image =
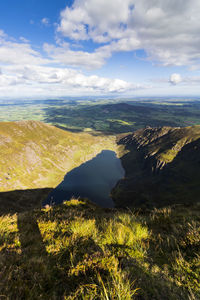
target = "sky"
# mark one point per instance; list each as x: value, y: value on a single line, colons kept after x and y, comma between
x: 130, y: 48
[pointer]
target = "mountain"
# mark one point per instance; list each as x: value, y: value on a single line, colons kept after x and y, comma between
x: 78, y: 250
x: 37, y: 155
x: 162, y: 164
x: 162, y: 167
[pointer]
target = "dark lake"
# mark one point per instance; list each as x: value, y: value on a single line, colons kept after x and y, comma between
x: 93, y: 180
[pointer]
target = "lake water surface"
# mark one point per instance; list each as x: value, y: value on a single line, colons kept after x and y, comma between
x: 93, y: 180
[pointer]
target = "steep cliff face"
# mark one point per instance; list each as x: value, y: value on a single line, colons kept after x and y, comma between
x: 162, y: 166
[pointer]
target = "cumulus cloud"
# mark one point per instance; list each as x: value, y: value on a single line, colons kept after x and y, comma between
x: 58, y: 81
x: 63, y: 54
x: 167, y: 30
x: 13, y: 52
x: 175, y: 78
x: 25, y: 71
x: 188, y: 81
x: 104, y: 19
x: 89, y: 60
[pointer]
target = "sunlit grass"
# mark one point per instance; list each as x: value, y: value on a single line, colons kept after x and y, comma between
x: 78, y: 251
x: 44, y: 153
x: 124, y: 233
x: 83, y: 228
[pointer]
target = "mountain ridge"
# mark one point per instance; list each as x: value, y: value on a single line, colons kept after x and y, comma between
x: 38, y: 155
x: 155, y: 160
x: 78, y: 250
x: 35, y: 155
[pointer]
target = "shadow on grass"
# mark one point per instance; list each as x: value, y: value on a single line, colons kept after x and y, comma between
x: 29, y: 235
x: 36, y: 272
x: 28, y: 270
x: 18, y: 201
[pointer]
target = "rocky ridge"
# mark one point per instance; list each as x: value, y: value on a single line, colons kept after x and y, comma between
x: 161, y: 166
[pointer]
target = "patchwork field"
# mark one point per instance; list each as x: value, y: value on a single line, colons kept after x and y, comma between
x: 108, y: 116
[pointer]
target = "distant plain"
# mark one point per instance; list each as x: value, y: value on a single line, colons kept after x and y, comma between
x: 110, y: 116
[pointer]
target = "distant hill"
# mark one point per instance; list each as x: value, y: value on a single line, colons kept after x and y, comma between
x: 162, y: 167
x: 35, y: 155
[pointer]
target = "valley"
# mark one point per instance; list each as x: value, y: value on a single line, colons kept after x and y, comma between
x: 99, y: 150
x: 109, y: 116
x: 93, y: 179
x: 146, y: 247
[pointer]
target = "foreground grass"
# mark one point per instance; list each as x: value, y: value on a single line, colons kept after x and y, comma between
x: 79, y: 251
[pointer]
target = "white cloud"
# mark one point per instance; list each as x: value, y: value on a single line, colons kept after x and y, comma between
x: 89, y: 60
x: 2, y: 33
x: 57, y: 81
x: 25, y: 71
x: 167, y: 30
x: 192, y: 80
x: 24, y: 40
x: 188, y: 81
x: 64, y: 55
x: 175, y: 78
x: 45, y: 21
x: 13, y: 52
x: 104, y: 18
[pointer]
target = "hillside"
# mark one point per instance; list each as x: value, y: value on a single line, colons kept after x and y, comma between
x: 35, y: 155
x: 162, y: 167
x: 80, y: 251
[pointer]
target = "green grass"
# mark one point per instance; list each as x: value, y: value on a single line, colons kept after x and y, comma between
x: 80, y: 251
x: 36, y: 155
x: 108, y: 116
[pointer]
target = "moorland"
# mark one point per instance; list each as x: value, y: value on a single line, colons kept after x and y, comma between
x: 147, y: 247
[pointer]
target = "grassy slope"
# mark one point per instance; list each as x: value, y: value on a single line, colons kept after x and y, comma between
x: 79, y: 251
x: 162, y: 167
x: 36, y: 155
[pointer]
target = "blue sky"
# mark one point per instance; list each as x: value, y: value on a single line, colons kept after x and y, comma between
x: 99, y: 47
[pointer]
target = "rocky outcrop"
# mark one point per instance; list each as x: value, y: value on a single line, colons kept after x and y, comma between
x: 161, y: 164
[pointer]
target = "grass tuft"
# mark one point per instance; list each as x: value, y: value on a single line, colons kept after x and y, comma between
x: 78, y: 251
